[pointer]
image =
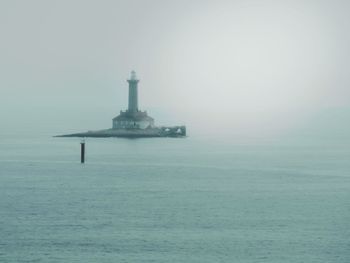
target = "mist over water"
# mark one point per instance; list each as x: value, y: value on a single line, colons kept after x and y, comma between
x: 263, y: 88
x: 248, y: 66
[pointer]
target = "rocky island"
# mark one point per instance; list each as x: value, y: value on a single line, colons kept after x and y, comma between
x: 133, y: 123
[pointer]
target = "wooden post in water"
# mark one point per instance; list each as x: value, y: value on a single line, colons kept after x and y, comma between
x: 82, y: 151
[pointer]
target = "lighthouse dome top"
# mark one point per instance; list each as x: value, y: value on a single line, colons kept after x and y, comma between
x: 133, y: 75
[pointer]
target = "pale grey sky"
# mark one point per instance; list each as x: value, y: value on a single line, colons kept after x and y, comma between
x: 249, y: 65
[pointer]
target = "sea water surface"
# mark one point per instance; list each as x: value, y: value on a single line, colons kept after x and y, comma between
x: 173, y: 200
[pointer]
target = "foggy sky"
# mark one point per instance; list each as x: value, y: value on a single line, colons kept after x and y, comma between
x: 243, y: 65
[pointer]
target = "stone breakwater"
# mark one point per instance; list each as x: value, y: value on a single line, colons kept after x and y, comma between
x: 174, y: 131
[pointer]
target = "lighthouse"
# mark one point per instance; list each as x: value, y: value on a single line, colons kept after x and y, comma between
x: 133, y: 93
x: 133, y: 122
x: 133, y: 117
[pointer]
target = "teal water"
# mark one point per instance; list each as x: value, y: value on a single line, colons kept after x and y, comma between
x: 174, y: 200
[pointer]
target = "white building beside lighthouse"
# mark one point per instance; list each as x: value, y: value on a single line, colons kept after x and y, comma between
x: 133, y: 118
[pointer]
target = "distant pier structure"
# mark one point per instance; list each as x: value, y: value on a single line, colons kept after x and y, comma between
x: 133, y: 118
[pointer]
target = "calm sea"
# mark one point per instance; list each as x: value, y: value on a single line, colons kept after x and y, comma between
x: 174, y: 200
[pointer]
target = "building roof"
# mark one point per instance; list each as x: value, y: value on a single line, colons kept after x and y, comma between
x: 133, y: 116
